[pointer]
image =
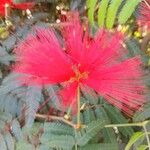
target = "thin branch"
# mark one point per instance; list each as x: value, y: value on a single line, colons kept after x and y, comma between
x: 147, y: 136
x: 50, y: 117
x: 140, y: 124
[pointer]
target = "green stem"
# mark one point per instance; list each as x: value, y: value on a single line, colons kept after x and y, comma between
x: 76, y: 147
x: 140, y: 124
x: 147, y: 136
x: 69, y: 111
x: 78, y: 108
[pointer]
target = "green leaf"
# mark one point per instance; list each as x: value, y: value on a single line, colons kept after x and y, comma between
x: 88, y: 116
x: 2, y: 143
x: 45, y: 147
x: 16, y: 129
x: 127, y: 10
x: 112, y: 12
x: 142, y: 115
x: 4, y: 89
x: 108, y: 133
x: 133, y: 47
x: 104, y: 146
x: 133, y: 139
x: 22, y: 145
x: 9, y: 141
x: 90, y: 96
x: 142, y: 147
x: 117, y: 118
x: 57, y: 128
x: 90, y: 131
x: 54, y: 97
x: 91, y: 7
x: 33, y: 97
x: 102, y: 12
x: 58, y: 141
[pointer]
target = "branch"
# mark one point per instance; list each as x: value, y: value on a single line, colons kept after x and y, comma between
x: 50, y: 117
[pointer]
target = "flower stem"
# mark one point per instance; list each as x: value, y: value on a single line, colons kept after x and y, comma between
x: 78, y: 108
x: 147, y: 136
x: 76, y: 147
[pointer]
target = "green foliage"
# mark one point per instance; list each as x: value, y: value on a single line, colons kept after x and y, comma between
x: 91, y: 8
x: 134, y: 49
x: 65, y: 142
x: 88, y: 133
x: 102, y: 10
x: 127, y: 10
x: 111, y: 12
x: 117, y: 118
x: 133, y: 139
x: 23, y: 145
x: 5, y: 57
x: 142, y: 115
x: 16, y: 130
x: 7, y: 140
x: 57, y: 128
x: 142, y: 147
x: 99, y: 147
x: 33, y: 97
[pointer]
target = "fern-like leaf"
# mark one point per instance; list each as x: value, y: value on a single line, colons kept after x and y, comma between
x: 142, y: 115
x: 127, y: 10
x: 57, y: 128
x: 91, y: 8
x: 102, y: 12
x: 16, y: 130
x: 117, y: 117
x: 104, y: 146
x: 2, y: 143
x: 88, y: 133
x: 112, y: 12
x: 10, y: 142
x: 33, y: 97
x: 58, y: 141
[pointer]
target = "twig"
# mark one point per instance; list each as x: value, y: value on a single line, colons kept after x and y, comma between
x: 140, y: 124
x: 147, y: 136
x: 50, y: 117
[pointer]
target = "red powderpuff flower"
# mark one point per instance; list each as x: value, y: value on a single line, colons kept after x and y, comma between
x: 144, y: 18
x: 22, y: 6
x: 82, y: 62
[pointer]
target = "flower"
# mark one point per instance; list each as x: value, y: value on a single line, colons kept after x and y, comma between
x: 144, y: 18
x: 97, y: 62
x: 22, y: 6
